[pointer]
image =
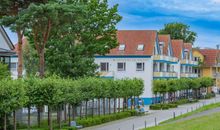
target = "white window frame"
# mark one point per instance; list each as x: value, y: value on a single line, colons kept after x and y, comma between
x: 106, y: 66
x: 121, y: 47
x: 142, y: 66
x: 123, y: 66
x: 140, y: 47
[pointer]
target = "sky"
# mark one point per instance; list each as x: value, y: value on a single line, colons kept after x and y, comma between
x: 203, y: 17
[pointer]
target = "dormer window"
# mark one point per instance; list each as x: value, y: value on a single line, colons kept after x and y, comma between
x: 140, y: 47
x: 186, y: 53
x: 161, y: 44
x: 121, y: 47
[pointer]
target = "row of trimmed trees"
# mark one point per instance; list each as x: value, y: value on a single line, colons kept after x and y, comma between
x: 181, y: 86
x: 55, y: 93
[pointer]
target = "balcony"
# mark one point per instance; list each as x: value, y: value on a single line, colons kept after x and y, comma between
x: 165, y: 74
x: 106, y: 74
x: 188, y: 75
x: 186, y: 61
x: 165, y: 58
x: 216, y: 75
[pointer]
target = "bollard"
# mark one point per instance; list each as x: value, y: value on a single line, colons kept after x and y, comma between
x: 181, y: 113
x: 174, y: 115
x: 155, y: 120
x: 191, y: 108
x: 118, y: 128
x: 133, y: 127
x: 145, y: 124
x: 187, y: 110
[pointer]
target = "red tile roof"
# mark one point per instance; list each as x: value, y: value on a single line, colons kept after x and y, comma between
x: 210, y: 56
x: 166, y: 39
x: 177, y: 46
x: 132, y: 38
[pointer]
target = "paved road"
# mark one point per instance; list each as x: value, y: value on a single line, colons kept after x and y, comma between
x: 159, y: 115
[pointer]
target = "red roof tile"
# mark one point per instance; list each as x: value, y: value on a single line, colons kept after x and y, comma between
x: 177, y: 46
x: 165, y: 39
x: 210, y: 56
x: 132, y: 38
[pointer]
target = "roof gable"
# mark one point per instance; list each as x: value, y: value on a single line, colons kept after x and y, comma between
x: 5, y: 42
x: 167, y: 45
x: 132, y: 38
x: 177, y: 46
x: 210, y: 56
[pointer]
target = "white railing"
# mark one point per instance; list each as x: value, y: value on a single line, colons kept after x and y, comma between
x: 165, y: 74
x: 186, y: 61
x: 165, y: 58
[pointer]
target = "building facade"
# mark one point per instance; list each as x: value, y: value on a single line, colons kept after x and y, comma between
x: 149, y: 56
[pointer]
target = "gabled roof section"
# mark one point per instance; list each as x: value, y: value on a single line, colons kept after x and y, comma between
x: 177, y: 46
x: 165, y: 38
x: 188, y: 46
x: 210, y: 56
x: 132, y: 38
x: 5, y: 42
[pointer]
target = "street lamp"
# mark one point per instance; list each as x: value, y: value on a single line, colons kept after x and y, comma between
x: 217, y: 62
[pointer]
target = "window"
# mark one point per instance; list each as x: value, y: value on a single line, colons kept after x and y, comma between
x: 104, y: 66
x: 121, y: 66
x: 13, y: 66
x: 196, y: 59
x: 140, y: 47
x: 121, y: 47
x: 140, y: 67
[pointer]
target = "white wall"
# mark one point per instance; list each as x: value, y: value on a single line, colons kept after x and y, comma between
x: 130, y: 72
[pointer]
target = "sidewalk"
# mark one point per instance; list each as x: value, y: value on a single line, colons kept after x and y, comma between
x: 159, y: 116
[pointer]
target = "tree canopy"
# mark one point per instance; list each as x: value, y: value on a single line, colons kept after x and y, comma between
x: 179, y: 31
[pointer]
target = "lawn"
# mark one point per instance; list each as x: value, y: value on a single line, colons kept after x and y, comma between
x: 204, y: 108
x: 210, y: 122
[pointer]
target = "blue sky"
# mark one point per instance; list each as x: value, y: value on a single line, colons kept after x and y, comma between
x: 203, y: 16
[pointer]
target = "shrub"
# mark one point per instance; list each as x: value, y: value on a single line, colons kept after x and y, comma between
x: 162, y: 106
x: 96, y: 120
x: 209, y: 95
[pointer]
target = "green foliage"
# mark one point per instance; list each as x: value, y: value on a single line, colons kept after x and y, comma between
x: 173, y: 85
x: 179, y: 31
x: 4, y: 73
x: 12, y: 95
x: 162, y: 106
x: 91, y: 31
x: 91, y: 121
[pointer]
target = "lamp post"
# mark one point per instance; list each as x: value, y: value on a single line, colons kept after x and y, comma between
x: 217, y: 61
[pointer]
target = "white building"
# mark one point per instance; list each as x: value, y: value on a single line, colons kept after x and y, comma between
x: 6, y: 49
x: 149, y: 56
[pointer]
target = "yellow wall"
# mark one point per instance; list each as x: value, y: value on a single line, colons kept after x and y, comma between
x: 196, y: 53
x: 206, y: 72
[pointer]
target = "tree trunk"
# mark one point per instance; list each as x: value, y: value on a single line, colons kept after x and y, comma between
x: 42, y: 63
x: 19, y: 52
x: 29, y: 117
x: 65, y: 112
x: 73, y: 112
x: 134, y: 103
x: 99, y: 106
x: 5, y: 122
x: 39, y: 117
x: 50, y: 118
x: 92, y: 107
x: 69, y: 115
x: 114, y: 105
x: 109, y: 105
x: 59, y: 115
x: 86, y: 109
x: 14, y: 120
x: 119, y: 105
x: 103, y: 100
x: 80, y: 111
